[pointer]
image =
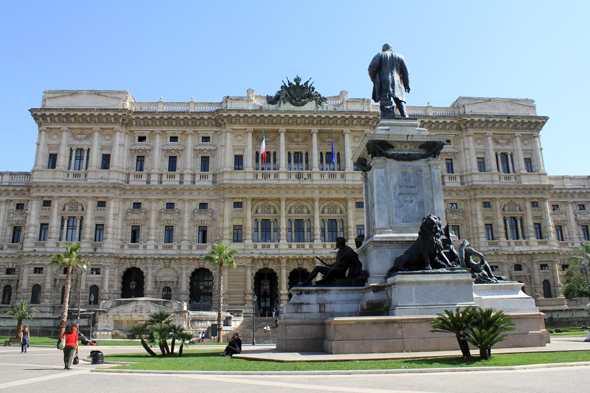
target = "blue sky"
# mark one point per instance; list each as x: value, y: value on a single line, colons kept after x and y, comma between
x: 210, y: 49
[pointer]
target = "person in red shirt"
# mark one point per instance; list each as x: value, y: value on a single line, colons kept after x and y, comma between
x: 71, y: 347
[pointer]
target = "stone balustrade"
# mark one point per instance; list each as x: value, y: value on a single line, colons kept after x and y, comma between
x: 14, y: 178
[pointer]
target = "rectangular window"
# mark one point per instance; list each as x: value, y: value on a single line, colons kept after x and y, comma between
x: 559, y: 233
x: 105, y: 162
x: 237, y: 233
x: 173, y: 139
x: 486, y: 205
x: 95, y: 271
x: 203, y: 206
x: 204, y: 164
x: 168, y: 234
x: 43, y: 230
x: 265, y: 231
x: 139, y: 163
x: 513, y: 228
x: 330, y: 166
x: 172, y: 164
x: 332, y: 230
x: 360, y: 230
x: 489, y: 232
x: 481, y: 164
x: 297, y: 161
x: 205, y: 139
x: 538, y: 230
x: 46, y: 204
x: 456, y: 230
x: 581, y: 207
x: 534, y: 204
x: 544, y: 267
x: 141, y: 138
x: 98, y: 232
x: 585, y: 234
x: 10, y: 271
x: 20, y: 206
x: 101, y: 203
x: 359, y: 205
x: 299, y: 231
x: 136, y: 205
x: 202, y: 235
x: 449, y: 165
x: 37, y: 270
x: 554, y: 207
x: 504, y: 165
x: 79, y: 160
x: 453, y: 206
x: 238, y: 205
x: 52, y: 162
x: 169, y: 206
x: 71, y: 229
x: 238, y: 162
x: 528, y: 165
x: 135, y: 229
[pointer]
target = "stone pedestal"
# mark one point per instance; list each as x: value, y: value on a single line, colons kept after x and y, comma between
x: 397, y: 194
x: 506, y: 296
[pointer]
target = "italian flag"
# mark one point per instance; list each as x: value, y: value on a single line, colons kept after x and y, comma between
x: 263, y: 148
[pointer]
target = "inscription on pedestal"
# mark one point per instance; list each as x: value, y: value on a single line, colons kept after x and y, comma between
x: 408, y: 197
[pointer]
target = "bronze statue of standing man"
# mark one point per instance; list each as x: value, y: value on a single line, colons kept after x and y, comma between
x: 389, y: 75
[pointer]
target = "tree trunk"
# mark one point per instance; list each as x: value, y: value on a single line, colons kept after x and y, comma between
x: 166, y: 347
x: 220, y: 304
x: 19, y: 329
x: 64, y: 311
x: 483, y: 353
x: 147, y: 348
x: 464, y: 345
x: 180, y: 349
x: 172, y: 345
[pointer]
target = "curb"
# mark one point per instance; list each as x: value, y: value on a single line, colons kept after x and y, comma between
x: 347, y: 372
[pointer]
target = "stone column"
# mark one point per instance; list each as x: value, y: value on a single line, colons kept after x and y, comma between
x: 150, y: 278
x: 282, y: 222
x: 71, y: 158
x: 284, y: 291
x: 574, y: 231
x: 156, y: 163
x: 248, y: 223
x: 490, y: 155
x: 89, y: 220
x: 501, y: 230
x: 105, y: 283
x: 226, y: 220
x: 248, y: 151
x: 548, y: 227
x: 124, y: 160
x: 529, y: 221
x: 518, y: 158
x: 116, y: 150
x: 480, y: 228
x: 49, y: 274
x: 152, y: 239
x: 41, y: 147
x: 188, y: 170
x: 316, y: 220
x: 314, y: 150
x: 282, y: 153
x: 351, y: 210
x: 94, y: 159
x: 24, y: 289
x: 472, y: 155
x: 64, y: 155
x: 3, y: 204
x: 55, y: 221
x: 557, y: 279
x: 535, y: 282
x: 248, y: 284
x: 538, y: 165
x: 228, y: 150
x: 31, y: 223
x: 109, y: 232
x: 186, y: 235
x: 347, y: 152
x: 184, y: 279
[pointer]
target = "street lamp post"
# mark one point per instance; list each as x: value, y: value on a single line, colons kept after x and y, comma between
x: 254, y: 298
x: 91, y: 313
x: 84, y: 267
x: 585, y: 272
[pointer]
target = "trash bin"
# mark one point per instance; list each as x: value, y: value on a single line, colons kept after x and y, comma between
x: 97, y: 357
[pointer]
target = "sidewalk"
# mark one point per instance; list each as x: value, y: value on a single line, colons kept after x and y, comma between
x: 558, y: 344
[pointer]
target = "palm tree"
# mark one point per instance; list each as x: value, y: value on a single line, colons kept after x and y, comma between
x: 141, y: 331
x: 219, y: 255
x: 456, y: 322
x: 70, y: 261
x: 175, y: 332
x: 184, y: 338
x: 160, y: 323
x: 19, y: 312
x: 487, y: 330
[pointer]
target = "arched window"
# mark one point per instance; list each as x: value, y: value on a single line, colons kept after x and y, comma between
x: 7, y: 294
x: 546, y: 289
x: 93, y: 295
x: 167, y: 293
x: 36, y: 294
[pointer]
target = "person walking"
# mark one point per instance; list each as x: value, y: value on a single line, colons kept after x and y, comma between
x: 200, y: 337
x: 24, y: 340
x: 71, y: 336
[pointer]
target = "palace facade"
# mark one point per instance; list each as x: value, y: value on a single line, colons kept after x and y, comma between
x: 146, y: 188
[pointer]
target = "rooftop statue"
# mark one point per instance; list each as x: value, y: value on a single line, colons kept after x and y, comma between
x: 297, y: 94
x: 389, y: 75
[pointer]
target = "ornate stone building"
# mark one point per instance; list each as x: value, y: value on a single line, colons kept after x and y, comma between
x: 146, y: 188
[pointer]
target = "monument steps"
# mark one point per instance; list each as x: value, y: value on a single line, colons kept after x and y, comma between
x: 270, y: 337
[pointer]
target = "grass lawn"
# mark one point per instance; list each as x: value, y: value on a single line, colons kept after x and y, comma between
x: 211, y: 361
x: 569, y: 332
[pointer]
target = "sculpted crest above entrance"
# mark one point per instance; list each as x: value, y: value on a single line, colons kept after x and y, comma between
x: 297, y: 94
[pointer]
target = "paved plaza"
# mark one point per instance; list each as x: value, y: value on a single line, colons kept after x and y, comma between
x: 42, y: 370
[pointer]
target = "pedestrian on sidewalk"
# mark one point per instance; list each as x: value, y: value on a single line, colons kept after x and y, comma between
x: 24, y: 340
x: 71, y: 336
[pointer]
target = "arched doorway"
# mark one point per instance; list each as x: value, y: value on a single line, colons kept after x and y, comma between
x: 201, y: 295
x: 7, y: 294
x: 36, y: 294
x: 265, y: 284
x: 546, y: 289
x: 93, y: 295
x: 132, y: 283
x: 167, y: 293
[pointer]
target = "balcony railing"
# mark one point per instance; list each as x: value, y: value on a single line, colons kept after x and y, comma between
x: 14, y: 178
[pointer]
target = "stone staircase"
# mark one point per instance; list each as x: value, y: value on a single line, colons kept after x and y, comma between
x: 245, y: 330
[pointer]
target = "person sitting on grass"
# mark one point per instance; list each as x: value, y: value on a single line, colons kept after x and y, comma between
x: 234, y: 346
